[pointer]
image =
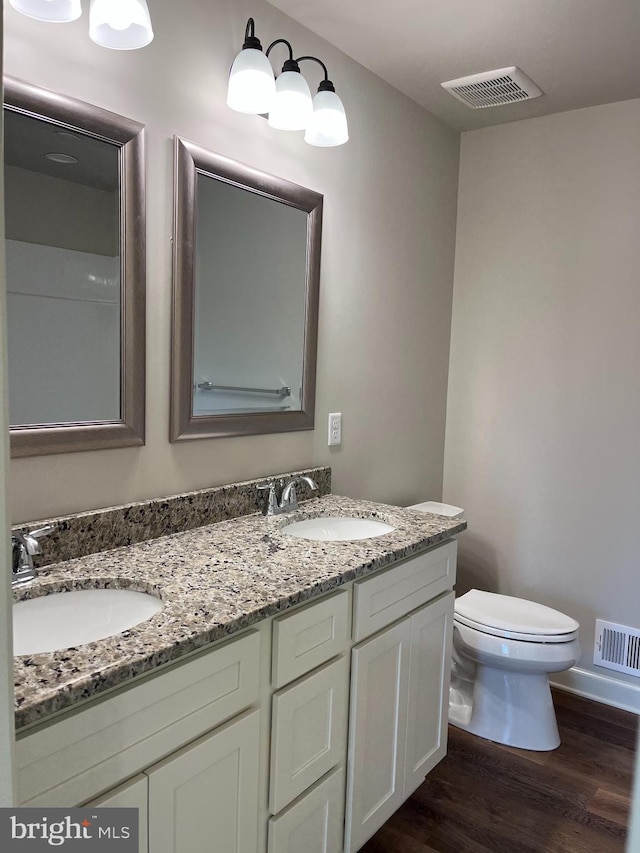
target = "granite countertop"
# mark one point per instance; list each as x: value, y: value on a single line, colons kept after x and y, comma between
x: 213, y: 582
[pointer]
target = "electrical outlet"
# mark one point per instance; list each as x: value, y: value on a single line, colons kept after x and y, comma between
x: 335, y: 428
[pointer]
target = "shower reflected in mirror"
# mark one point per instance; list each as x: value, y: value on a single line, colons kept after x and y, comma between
x: 74, y: 220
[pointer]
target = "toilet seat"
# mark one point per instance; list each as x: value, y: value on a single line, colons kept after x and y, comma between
x: 515, y: 635
x: 513, y: 618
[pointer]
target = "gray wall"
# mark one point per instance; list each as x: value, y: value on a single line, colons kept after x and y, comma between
x: 543, y: 412
x: 387, y: 259
x: 46, y: 210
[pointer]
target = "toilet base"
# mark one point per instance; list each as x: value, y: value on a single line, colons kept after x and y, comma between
x: 512, y: 708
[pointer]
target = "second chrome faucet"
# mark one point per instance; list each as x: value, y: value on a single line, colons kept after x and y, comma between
x: 288, y: 501
x: 25, y: 545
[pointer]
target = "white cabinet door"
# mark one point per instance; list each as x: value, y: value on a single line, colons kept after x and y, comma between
x: 377, y: 732
x: 204, y: 797
x: 315, y: 822
x: 131, y: 795
x: 308, y: 731
x: 429, y: 669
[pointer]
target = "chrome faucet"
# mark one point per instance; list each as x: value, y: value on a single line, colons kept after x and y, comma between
x: 25, y: 545
x: 288, y: 499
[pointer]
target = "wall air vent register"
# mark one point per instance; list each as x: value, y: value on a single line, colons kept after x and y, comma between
x: 617, y: 647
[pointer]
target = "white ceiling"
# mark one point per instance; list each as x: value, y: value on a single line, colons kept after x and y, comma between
x: 28, y: 139
x: 579, y: 52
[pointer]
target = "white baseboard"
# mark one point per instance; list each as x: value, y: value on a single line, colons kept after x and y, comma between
x: 602, y: 688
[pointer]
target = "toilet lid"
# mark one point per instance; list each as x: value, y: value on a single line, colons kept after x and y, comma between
x: 506, y: 616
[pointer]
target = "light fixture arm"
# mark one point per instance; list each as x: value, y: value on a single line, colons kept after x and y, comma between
x: 281, y: 41
x: 290, y: 64
x: 250, y: 40
x: 326, y: 84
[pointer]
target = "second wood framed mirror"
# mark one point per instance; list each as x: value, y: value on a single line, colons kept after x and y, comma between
x: 246, y: 284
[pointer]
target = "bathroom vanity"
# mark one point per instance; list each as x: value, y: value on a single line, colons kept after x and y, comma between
x: 289, y: 696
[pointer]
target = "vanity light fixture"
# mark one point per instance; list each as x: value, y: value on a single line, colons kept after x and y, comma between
x: 252, y: 87
x: 328, y: 123
x: 287, y: 100
x: 118, y: 24
x: 55, y: 11
x: 291, y: 108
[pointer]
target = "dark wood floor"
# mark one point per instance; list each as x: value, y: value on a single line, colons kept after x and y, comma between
x: 487, y: 798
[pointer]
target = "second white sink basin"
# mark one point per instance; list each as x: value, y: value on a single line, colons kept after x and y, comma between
x: 63, y: 619
x: 337, y: 528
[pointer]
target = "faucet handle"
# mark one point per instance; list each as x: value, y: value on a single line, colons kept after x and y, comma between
x: 18, y: 553
x: 42, y: 531
x: 31, y: 538
x: 272, y: 501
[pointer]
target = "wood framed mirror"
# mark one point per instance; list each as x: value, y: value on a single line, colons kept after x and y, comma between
x: 246, y: 285
x: 76, y: 263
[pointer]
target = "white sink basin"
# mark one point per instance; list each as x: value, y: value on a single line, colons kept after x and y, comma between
x: 63, y: 619
x: 337, y: 529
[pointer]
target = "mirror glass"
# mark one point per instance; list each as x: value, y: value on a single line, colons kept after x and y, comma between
x: 250, y: 301
x: 63, y: 273
x: 246, y: 276
x: 74, y: 227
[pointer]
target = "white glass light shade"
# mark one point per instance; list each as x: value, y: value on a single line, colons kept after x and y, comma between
x: 252, y: 86
x: 292, y: 106
x: 120, y: 24
x: 55, y: 11
x: 328, y: 124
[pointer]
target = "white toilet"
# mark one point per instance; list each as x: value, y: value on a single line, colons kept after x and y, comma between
x: 503, y: 651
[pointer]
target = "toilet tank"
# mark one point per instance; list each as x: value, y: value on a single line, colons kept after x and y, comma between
x: 439, y: 509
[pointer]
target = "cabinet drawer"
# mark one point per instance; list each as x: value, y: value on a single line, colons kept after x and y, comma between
x: 382, y: 599
x: 85, y: 753
x: 313, y: 824
x: 308, y: 731
x: 309, y: 637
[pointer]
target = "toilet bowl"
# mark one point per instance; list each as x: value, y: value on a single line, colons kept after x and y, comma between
x: 503, y: 651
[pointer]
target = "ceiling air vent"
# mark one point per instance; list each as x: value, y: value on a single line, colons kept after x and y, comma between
x: 493, y: 88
